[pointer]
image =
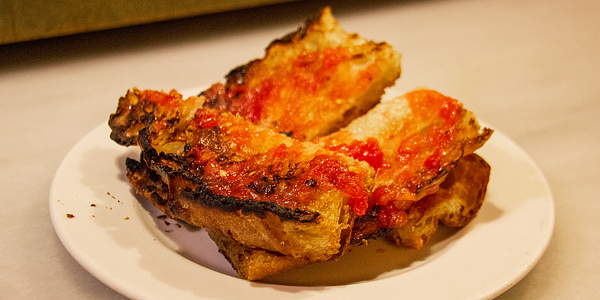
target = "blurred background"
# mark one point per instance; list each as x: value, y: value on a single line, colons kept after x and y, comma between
x: 528, y: 68
x: 37, y: 19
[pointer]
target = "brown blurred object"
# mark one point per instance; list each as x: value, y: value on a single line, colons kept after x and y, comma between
x: 38, y: 19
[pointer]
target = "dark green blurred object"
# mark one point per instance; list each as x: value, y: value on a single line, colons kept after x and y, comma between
x: 24, y: 20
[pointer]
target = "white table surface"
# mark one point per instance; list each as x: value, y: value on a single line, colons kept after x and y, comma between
x: 530, y: 69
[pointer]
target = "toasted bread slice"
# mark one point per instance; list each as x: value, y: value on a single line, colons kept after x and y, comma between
x: 249, y: 263
x: 222, y: 172
x: 412, y: 141
x: 310, y: 82
x: 319, y: 50
x: 254, y: 263
x: 455, y: 204
x: 438, y: 131
x: 218, y: 146
x: 233, y: 159
x: 259, y: 187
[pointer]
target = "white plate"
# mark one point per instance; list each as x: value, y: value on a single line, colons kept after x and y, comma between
x: 120, y: 239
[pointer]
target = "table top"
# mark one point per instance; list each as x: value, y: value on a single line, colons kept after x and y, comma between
x: 530, y: 69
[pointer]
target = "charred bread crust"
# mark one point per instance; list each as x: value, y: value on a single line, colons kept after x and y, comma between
x: 320, y: 232
x: 148, y: 183
x: 268, y: 232
x: 367, y: 228
x: 137, y: 110
x: 456, y: 204
x: 206, y: 197
x: 317, y: 68
x: 237, y: 75
x: 237, y: 223
x: 300, y: 33
x: 132, y: 115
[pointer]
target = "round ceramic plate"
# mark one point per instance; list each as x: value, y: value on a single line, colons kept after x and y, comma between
x: 133, y: 248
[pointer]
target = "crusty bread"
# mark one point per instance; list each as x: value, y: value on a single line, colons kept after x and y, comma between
x: 261, y: 163
x: 253, y: 263
x: 391, y: 124
x: 137, y: 110
x: 194, y: 160
x: 412, y: 141
x: 353, y: 74
x: 259, y: 187
x: 249, y: 263
x: 455, y: 204
x: 311, y: 82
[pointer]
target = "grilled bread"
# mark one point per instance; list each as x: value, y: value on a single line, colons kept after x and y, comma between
x: 311, y: 82
x: 197, y: 168
x: 455, y: 204
x: 261, y: 162
x: 421, y: 146
x: 412, y: 142
x: 254, y: 263
x: 261, y: 188
x: 250, y: 263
